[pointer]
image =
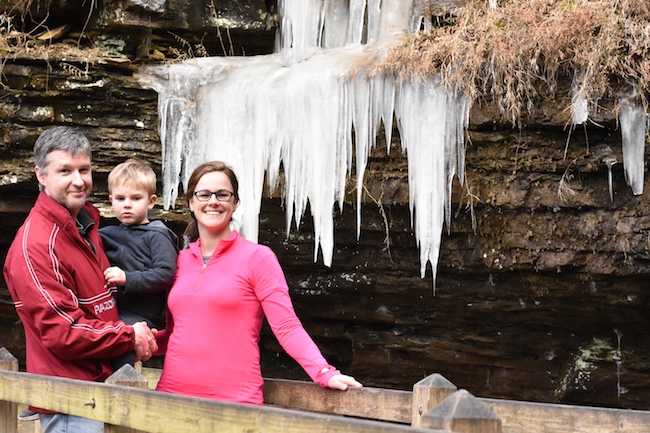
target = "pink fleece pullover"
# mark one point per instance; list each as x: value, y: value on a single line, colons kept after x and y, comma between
x: 215, y: 314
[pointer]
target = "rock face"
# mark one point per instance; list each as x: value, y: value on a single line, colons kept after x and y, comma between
x: 541, y: 291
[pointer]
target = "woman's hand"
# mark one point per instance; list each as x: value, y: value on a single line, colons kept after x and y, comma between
x: 342, y: 382
x: 145, y: 341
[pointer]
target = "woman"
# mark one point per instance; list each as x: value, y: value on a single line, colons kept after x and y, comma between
x: 224, y: 287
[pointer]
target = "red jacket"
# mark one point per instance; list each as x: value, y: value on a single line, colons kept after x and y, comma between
x: 57, y: 285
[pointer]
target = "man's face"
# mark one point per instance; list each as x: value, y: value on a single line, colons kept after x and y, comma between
x: 67, y: 179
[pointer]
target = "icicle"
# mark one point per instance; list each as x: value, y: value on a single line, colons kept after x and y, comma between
x: 297, y: 108
x: 244, y: 94
x: 335, y: 21
x: 311, y: 24
x: 356, y: 22
x: 429, y: 121
x: 367, y: 114
x: 396, y: 17
x: 633, y: 121
x: 388, y: 107
x: 373, y: 26
x: 314, y: 131
x: 364, y: 136
x: 579, y: 104
x: 579, y: 109
x: 177, y: 112
x: 609, y: 162
x: 457, y: 111
x: 301, y: 29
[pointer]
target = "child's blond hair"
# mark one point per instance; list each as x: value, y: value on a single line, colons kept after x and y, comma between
x: 134, y: 173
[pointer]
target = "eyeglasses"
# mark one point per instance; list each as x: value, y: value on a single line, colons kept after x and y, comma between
x: 205, y: 195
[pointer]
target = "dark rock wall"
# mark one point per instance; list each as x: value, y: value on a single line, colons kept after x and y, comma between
x: 541, y: 291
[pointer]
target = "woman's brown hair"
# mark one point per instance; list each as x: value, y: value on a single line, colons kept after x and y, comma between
x: 191, y: 231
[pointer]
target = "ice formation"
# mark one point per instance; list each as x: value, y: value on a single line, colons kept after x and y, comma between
x: 579, y: 109
x: 579, y: 103
x: 297, y: 108
x: 634, y: 124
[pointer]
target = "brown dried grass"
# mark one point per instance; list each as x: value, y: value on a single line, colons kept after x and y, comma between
x: 516, y: 52
x: 15, y: 43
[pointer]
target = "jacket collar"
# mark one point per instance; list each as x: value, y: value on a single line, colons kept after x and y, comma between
x: 84, y: 221
x: 224, y: 245
x: 58, y: 214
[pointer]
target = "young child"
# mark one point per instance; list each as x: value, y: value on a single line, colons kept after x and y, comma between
x: 142, y: 253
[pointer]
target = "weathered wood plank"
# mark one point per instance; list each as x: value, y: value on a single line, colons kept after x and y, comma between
x: 516, y: 416
x: 152, y: 375
x: 8, y: 409
x: 127, y: 375
x: 371, y: 403
x: 528, y: 417
x: 166, y: 413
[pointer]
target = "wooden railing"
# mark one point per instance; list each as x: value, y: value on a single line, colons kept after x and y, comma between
x: 434, y: 405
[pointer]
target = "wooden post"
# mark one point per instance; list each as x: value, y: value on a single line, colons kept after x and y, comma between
x: 126, y: 376
x: 8, y: 410
x: 463, y: 413
x: 138, y: 366
x: 427, y: 393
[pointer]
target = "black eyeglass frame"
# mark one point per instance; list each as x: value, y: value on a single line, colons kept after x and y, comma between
x: 213, y: 193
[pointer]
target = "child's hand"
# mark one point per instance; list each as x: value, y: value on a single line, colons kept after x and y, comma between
x: 115, y: 275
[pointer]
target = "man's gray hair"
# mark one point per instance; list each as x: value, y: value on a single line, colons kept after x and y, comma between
x: 59, y: 138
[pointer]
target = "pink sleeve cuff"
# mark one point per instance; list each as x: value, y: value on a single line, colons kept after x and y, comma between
x: 323, y: 378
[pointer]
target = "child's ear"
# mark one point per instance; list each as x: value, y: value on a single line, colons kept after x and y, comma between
x: 152, y: 201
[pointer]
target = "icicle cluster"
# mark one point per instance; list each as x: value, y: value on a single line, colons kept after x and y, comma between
x: 635, y: 124
x: 297, y: 108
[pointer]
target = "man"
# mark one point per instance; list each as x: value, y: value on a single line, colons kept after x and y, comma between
x: 54, y: 272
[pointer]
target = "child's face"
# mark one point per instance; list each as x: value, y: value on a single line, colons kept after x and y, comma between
x: 131, y: 205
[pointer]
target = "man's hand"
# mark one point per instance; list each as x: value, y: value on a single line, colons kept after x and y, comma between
x: 145, y: 342
x: 115, y: 275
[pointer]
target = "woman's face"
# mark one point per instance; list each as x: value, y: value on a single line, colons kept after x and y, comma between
x: 213, y: 216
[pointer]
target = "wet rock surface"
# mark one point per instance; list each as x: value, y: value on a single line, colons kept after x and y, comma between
x: 542, y: 285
